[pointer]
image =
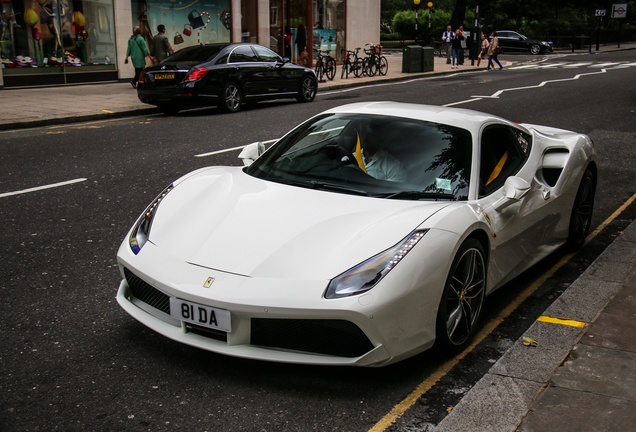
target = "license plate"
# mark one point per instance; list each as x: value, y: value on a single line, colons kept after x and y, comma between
x: 164, y: 76
x: 204, y: 316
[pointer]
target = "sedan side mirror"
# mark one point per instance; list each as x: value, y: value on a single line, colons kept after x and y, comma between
x: 251, y: 152
x: 515, y: 188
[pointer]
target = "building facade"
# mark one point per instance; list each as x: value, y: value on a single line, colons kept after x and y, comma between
x: 57, y: 42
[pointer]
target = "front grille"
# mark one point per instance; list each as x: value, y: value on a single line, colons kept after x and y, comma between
x: 331, y: 337
x: 147, y: 293
x: 207, y: 332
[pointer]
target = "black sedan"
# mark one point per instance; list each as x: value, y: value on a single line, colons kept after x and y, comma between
x: 513, y: 41
x: 226, y: 75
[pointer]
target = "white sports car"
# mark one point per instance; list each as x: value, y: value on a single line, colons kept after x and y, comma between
x: 362, y: 237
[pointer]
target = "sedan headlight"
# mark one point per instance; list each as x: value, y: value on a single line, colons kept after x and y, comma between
x: 139, y: 235
x: 367, y: 274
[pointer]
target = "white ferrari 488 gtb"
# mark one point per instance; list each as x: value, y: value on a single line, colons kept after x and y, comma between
x: 361, y: 237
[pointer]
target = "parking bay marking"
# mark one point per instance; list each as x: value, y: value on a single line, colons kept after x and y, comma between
x: 39, y: 188
x: 429, y: 382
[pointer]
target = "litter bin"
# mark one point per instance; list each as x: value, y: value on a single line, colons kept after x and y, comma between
x: 428, y: 59
x: 412, y: 59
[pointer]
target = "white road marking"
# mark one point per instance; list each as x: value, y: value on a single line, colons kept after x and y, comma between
x: 39, y: 188
x: 578, y: 64
x: 602, y: 65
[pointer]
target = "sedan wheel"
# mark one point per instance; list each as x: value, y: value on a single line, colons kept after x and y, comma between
x: 232, y: 97
x: 463, y: 296
x: 535, y: 49
x: 581, y: 217
x: 307, y: 89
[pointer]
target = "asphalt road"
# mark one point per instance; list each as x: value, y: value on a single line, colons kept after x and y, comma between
x: 73, y: 360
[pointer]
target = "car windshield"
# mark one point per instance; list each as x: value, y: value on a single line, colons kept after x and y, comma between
x: 380, y: 156
x: 199, y: 53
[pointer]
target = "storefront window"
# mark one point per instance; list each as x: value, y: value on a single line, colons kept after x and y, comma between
x: 280, y: 40
x: 296, y: 17
x: 187, y: 23
x: 51, y: 36
x: 249, y: 25
x: 329, y: 24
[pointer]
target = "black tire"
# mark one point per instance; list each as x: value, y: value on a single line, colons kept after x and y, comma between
x: 358, y: 68
x: 535, y: 49
x: 169, y: 110
x: 462, y: 299
x: 231, y: 97
x: 384, y: 66
x: 581, y: 218
x: 319, y: 71
x: 344, y: 71
x: 308, y: 87
x: 330, y: 69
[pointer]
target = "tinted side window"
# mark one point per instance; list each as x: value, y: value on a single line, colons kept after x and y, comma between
x: 503, y: 152
x: 266, y: 54
x: 242, y: 54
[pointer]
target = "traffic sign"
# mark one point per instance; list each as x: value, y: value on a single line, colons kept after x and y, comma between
x: 600, y: 12
x: 619, y: 10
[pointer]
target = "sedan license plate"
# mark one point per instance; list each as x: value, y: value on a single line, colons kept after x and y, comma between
x: 164, y: 76
x: 204, y: 316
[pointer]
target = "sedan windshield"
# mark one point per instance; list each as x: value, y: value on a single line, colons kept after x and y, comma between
x: 381, y: 156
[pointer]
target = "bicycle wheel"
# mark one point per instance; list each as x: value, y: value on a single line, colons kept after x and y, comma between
x: 320, y: 71
x: 358, y: 68
x: 330, y: 69
x: 344, y: 73
x: 383, y: 66
x: 370, y: 66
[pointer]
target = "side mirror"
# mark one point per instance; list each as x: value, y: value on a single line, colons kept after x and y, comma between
x: 251, y: 152
x: 515, y: 188
x: 286, y: 60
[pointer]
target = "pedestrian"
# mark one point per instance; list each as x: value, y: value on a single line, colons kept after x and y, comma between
x: 464, y: 46
x: 161, y: 47
x: 447, y: 39
x: 340, y: 44
x: 301, y: 45
x: 137, y: 51
x: 287, y: 42
x: 493, y: 51
x: 457, y: 47
x: 484, y: 48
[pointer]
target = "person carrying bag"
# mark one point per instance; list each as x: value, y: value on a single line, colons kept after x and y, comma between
x: 137, y: 51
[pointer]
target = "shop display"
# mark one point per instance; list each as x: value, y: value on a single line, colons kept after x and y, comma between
x: 55, y: 33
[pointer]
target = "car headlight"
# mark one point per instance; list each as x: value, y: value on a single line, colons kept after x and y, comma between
x: 139, y: 235
x: 367, y: 274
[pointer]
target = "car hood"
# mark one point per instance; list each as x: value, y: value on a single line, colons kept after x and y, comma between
x: 226, y: 220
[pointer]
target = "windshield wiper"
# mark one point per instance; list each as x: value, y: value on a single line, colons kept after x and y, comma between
x: 336, y: 187
x: 319, y: 185
x: 416, y: 195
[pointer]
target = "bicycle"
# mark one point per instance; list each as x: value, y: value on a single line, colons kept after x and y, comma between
x: 375, y: 62
x: 325, y: 65
x: 352, y: 64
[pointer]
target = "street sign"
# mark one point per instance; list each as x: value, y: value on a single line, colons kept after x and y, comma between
x: 600, y: 12
x: 619, y: 10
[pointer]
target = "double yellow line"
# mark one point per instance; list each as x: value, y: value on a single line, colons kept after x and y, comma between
x: 429, y: 382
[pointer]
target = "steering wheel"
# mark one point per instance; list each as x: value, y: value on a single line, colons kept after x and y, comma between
x: 338, y: 153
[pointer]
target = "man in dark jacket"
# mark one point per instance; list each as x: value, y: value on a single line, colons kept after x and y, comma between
x: 160, y: 45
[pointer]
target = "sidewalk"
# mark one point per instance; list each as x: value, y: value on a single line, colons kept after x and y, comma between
x: 88, y: 102
x: 576, y: 378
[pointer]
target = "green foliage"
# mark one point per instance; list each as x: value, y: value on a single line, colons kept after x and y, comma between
x: 404, y: 23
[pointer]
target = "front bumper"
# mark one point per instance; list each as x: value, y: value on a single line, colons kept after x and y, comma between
x: 287, y: 320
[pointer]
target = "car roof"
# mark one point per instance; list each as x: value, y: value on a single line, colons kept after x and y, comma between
x: 459, y: 117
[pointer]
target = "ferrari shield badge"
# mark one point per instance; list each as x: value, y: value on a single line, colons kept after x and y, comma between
x: 208, y: 282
